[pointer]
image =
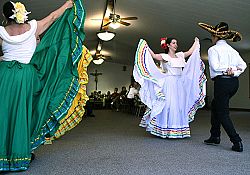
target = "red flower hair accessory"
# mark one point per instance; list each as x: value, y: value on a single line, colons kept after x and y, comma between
x: 163, y: 43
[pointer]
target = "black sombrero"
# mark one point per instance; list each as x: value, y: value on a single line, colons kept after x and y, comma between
x: 221, y: 31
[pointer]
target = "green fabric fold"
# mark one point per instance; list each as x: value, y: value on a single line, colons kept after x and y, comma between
x: 56, y: 59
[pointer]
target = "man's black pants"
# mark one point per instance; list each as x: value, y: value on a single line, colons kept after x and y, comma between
x: 224, y: 89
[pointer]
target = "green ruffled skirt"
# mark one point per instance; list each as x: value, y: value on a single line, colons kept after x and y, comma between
x: 35, y: 97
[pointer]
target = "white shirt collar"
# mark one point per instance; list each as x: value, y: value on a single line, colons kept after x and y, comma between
x: 221, y: 42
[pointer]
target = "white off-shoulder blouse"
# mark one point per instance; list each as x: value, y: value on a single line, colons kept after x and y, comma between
x: 20, y: 47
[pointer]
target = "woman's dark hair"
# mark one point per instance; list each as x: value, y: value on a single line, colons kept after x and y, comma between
x: 168, y: 41
x: 7, y: 11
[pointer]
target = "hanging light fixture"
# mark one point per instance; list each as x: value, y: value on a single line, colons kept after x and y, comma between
x: 105, y: 35
x: 98, y: 61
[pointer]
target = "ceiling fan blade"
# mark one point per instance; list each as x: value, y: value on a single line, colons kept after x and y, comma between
x: 124, y: 23
x: 96, y: 19
x: 106, y: 24
x: 107, y: 57
x: 129, y: 18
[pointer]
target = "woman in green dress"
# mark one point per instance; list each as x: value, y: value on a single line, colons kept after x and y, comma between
x: 38, y: 84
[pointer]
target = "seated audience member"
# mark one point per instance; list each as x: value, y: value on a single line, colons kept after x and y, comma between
x: 99, y: 95
x: 108, y: 100
x: 123, y: 94
x: 122, y: 99
x: 133, y: 95
x: 133, y: 91
x: 115, y: 99
x: 91, y: 95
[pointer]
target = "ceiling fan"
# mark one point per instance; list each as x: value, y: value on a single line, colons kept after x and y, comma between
x: 98, y: 58
x: 116, y: 19
x: 101, y: 56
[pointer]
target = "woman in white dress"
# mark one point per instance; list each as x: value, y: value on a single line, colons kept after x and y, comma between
x: 172, y: 94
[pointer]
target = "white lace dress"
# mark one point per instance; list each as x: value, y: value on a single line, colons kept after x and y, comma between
x: 172, y: 98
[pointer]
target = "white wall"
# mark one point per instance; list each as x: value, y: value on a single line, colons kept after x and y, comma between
x: 112, y: 76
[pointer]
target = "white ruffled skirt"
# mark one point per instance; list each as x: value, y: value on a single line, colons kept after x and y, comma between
x: 171, y: 101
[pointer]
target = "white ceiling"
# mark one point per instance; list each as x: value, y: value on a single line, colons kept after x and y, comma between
x: 156, y: 19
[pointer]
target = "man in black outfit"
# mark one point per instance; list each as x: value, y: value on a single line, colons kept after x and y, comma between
x: 225, y: 66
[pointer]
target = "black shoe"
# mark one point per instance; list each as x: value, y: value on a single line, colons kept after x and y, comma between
x: 212, y: 141
x: 237, y: 147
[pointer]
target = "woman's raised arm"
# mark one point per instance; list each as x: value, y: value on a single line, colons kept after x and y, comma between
x: 190, y: 51
x: 155, y: 56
